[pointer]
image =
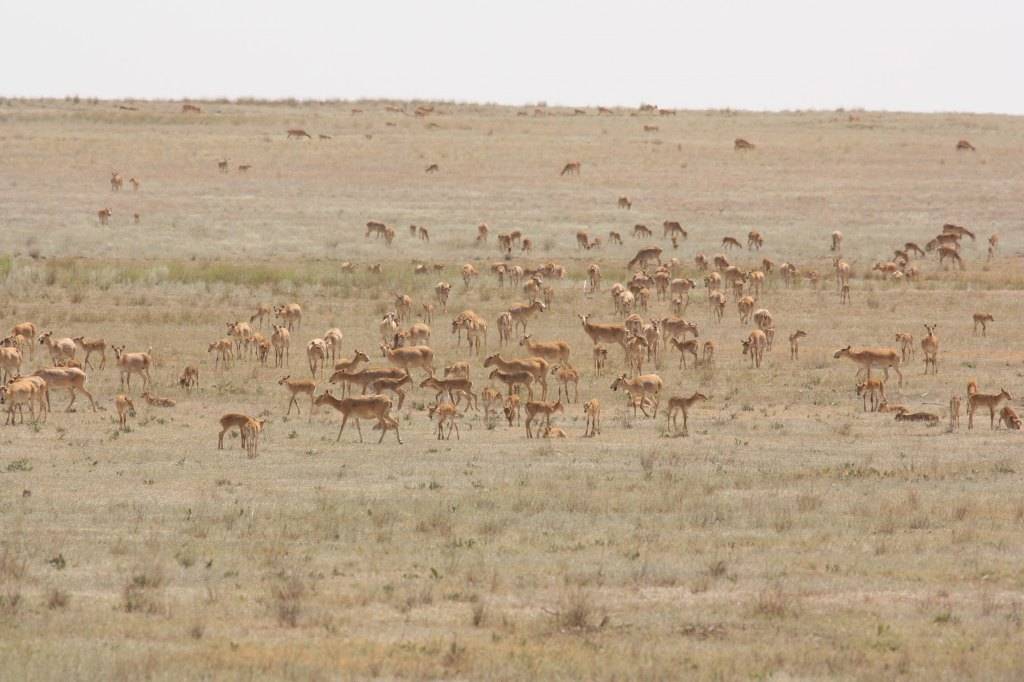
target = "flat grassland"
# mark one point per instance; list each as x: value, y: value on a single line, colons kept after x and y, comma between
x: 791, y: 534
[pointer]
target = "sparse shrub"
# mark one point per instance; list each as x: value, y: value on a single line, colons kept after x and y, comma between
x: 772, y: 602
x: 9, y: 604
x: 143, y: 590
x: 57, y: 599
x: 288, y: 595
x: 578, y: 613
x: 479, y: 614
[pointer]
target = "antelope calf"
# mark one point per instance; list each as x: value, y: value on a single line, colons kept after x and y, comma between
x: 251, y: 431
x: 566, y: 375
x: 387, y: 423
x: 297, y: 387
x: 794, y: 344
x: 954, y: 413
x: 1008, y: 417
x: 156, y: 401
x: 982, y: 319
x: 541, y: 410
x: 446, y: 413
x: 223, y: 353
x: 873, y: 388
x: 600, y: 359
x: 125, y: 408
x: 91, y: 346
x: 392, y: 384
x: 677, y: 404
x: 592, y: 410
x: 917, y: 417
x: 643, y: 386
x: 990, y: 401
x: 104, y: 215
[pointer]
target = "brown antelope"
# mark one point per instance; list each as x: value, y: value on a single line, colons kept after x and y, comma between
x: 982, y: 319
x: 469, y: 273
x: 643, y: 386
x: 717, y: 302
x: 432, y: 168
x: 537, y: 367
x: 394, y: 385
x: 297, y: 387
x: 24, y: 334
x: 360, y: 407
x: 189, y: 378
x: 133, y: 363
x: 365, y: 377
x: 603, y: 333
x: 553, y: 432
x: 135, y: 184
x: 481, y: 232
x: 677, y: 404
x: 678, y: 327
x: 446, y: 413
x: 418, y: 357
x: 281, y: 341
x: 250, y: 432
x: 10, y: 363
x: 441, y: 291
x: 457, y: 389
x: 242, y: 334
x: 740, y: 144
x: 930, y: 347
x: 351, y: 364
x: 906, y: 342
x: 672, y: 228
x: 592, y: 410
x: 614, y: 238
x: 70, y: 378
x: 125, y: 407
x: 754, y: 240
x: 332, y: 338
x: 512, y: 409
x: 964, y: 146
x: 948, y: 252
x: 991, y: 401
x: 566, y: 375
x: 643, y: 257
x: 552, y: 351
x: 514, y: 379
x: 541, y: 410
x: 116, y: 181
x: 746, y: 308
x: 222, y: 165
x: 376, y: 228
x: 600, y: 356
x: 290, y: 314
x: 875, y: 388
x: 223, y: 353
x: 298, y: 133
x: 954, y: 413
x: 492, y: 400
x: 625, y: 203
x: 190, y: 109
x: 885, y: 358
x: 571, y: 168
x: 641, y: 231
x: 234, y: 420
x: 917, y: 417
x: 754, y: 346
x: 794, y: 344
x: 20, y: 392
x: 157, y: 401
x: 731, y: 243
x: 60, y: 349
x: 689, y: 346
x: 837, y: 240
x: 1009, y: 418
x: 262, y: 311
x: 844, y: 295
x: 522, y: 312
x: 244, y: 167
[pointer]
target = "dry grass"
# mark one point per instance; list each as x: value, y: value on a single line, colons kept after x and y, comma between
x: 791, y: 534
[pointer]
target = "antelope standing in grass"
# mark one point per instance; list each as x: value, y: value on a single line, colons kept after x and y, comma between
x: 990, y: 401
x: 677, y: 404
x: 754, y: 346
x: 360, y: 407
x: 394, y: 385
x: 189, y: 378
x: 297, y: 387
x: 70, y: 378
x: 90, y: 346
x: 262, y: 311
x: 592, y: 410
x: 60, y: 349
x: 837, y: 240
x: 689, y: 346
x: 10, y: 363
x: 222, y: 353
x: 281, y: 341
x: 541, y: 410
x: 930, y: 347
x: 125, y: 408
x: 133, y: 363
x: 446, y: 413
x: 643, y: 386
x: 982, y: 319
x: 566, y: 375
x: 794, y: 344
x: 954, y: 413
x: 552, y: 351
x: 412, y: 357
x: 867, y: 358
x: 290, y: 314
x: 873, y: 388
x: 537, y: 367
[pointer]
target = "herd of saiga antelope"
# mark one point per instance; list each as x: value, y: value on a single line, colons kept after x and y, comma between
x: 406, y: 348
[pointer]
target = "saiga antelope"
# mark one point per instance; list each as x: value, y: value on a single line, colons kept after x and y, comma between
x: 678, y: 404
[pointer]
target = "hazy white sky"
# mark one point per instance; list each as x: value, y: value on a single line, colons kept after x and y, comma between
x: 772, y: 54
